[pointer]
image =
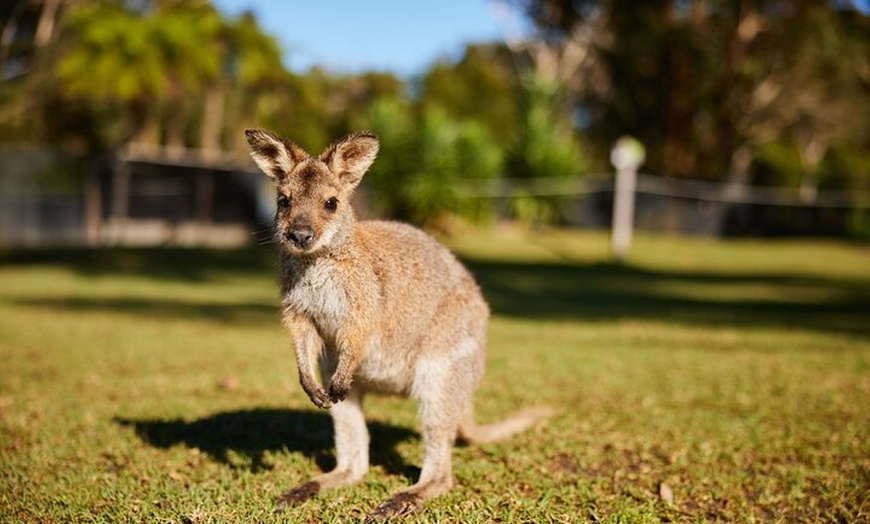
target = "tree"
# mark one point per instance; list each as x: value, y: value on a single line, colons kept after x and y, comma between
x: 171, y: 72
x: 426, y: 160
x: 812, y: 92
x: 705, y: 83
x: 517, y: 93
x: 108, y: 63
x: 483, y: 86
x: 190, y: 35
x: 253, y: 73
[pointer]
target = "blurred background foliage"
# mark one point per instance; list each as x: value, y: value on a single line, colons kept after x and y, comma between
x: 769, y: 92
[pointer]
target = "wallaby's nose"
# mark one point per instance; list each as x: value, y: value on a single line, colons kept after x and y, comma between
x: 301, y: 236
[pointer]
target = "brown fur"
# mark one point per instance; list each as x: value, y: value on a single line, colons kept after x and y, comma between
x: 382, y: 308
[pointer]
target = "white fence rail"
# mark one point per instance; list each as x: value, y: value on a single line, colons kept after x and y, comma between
x: 709, y: 191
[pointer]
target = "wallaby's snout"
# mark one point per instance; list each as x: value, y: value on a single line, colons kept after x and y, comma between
x: 305, y: 232
x: 301, y: 234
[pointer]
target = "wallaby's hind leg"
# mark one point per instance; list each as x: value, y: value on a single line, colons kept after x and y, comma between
x: 351, y: 451
x: 436, y: 476
x: 443, y: 384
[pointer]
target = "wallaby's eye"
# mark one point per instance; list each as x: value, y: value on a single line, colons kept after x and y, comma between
x: 331, y: 204
x: 283, y: 202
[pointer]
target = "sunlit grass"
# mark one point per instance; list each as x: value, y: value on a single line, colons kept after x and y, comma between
x: 159, y: 386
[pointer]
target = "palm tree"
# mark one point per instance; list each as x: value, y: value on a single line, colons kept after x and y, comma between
x: 108, y: 61
x: 189, y: 35
x: 253, y: 69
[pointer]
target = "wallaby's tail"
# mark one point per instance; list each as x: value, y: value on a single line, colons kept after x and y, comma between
x: 471, y: 433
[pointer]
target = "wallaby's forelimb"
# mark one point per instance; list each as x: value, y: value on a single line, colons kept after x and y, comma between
x: 308, y: 347
x: 353, y: 341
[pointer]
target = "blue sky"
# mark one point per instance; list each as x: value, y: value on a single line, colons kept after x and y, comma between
x: 403, y: 37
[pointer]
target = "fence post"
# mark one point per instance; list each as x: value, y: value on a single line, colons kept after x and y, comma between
x: 627, y: 155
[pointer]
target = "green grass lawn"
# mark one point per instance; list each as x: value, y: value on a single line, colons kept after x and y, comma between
x: 700, y: 382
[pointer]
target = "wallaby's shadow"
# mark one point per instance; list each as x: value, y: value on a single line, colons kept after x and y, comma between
x: 242, y: 438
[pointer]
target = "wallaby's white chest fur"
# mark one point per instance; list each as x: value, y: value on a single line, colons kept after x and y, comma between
x: 315, y: 289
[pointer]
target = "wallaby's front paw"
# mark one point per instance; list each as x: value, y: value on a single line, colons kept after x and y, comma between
x: 320, y: 398
x: 315, y: 391
x: 338, y: 390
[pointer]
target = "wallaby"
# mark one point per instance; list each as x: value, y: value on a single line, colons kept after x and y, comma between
x: 381, y: 307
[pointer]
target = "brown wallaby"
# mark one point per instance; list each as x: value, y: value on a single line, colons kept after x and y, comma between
x: 381, y: 307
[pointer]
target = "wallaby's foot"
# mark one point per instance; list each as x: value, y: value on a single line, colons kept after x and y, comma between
x: 301, y: 493
x: 400, y: 506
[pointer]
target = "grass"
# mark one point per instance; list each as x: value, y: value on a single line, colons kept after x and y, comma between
x: 700, y: 382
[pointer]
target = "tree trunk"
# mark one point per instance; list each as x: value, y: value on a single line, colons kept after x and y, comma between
x: 175, y: 135
x: 93, y: 206
x: 212, y: 122
x: 47, y: 20
x: 812, y: 152
x: 7, y: 36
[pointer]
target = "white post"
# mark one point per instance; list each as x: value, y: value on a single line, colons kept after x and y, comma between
x: 627, y: 155
x: 623, y: 213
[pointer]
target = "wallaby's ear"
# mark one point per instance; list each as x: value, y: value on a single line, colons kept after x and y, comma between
x: 351, y: 156
x: 274, y: 156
